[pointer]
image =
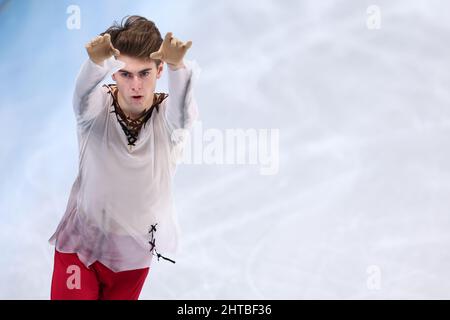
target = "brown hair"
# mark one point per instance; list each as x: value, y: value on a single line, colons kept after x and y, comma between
x: 136, y: 37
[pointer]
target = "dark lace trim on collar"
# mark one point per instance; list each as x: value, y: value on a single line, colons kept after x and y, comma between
x: 132, y: 127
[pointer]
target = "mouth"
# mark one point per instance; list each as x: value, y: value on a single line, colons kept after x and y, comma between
x: 137, y: 98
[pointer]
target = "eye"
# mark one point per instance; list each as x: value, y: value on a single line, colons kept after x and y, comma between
x: 125, y: 75
x: 145, y: 74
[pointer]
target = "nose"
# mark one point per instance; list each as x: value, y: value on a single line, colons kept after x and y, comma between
x: 136, y: 84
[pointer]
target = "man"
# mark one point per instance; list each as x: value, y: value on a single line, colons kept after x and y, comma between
x: 120, y: 213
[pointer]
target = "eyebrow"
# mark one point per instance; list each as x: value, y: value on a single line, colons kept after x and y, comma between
x: 123, y: 70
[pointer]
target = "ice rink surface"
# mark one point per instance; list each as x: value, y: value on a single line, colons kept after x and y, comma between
x: 359, y: 205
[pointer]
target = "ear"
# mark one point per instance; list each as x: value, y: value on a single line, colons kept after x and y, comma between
x: 113, y: 76
x: 160, y: 70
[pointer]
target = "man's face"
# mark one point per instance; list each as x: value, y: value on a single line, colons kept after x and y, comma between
x: 136, y: 83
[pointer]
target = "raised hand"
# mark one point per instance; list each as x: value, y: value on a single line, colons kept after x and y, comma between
x: 172, y: 50
x: 100, y: 48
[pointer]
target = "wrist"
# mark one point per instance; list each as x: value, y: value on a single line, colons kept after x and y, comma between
x: 177, y: 66
x: 98, y: 62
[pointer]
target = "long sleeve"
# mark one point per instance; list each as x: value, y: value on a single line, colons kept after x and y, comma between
x: 182, y: 108
x: 89, y: 98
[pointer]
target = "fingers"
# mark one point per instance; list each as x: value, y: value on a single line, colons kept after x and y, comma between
x: 171, y: 49
x: 174, y: 42
x: 114, y: 51
x: 91, y: 43
x: 99, y: 40
x: 156, y: 55
x: 179, y: 44
x: 168, y: 37
x: 107, y: 39
x: 187, y: 45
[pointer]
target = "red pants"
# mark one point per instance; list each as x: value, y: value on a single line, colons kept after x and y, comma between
x: 73, y: 281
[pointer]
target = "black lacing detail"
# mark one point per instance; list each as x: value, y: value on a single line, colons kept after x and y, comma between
x: 152, y: 243
x: 131, y: 127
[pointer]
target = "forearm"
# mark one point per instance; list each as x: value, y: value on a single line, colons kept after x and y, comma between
x: 90, y: 75
x: 87, y: 89
x: 181, y: 110
x: 175, y: 67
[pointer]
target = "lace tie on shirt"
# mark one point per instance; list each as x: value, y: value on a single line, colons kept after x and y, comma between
x: 132, y: 127
x: 152, y: 243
